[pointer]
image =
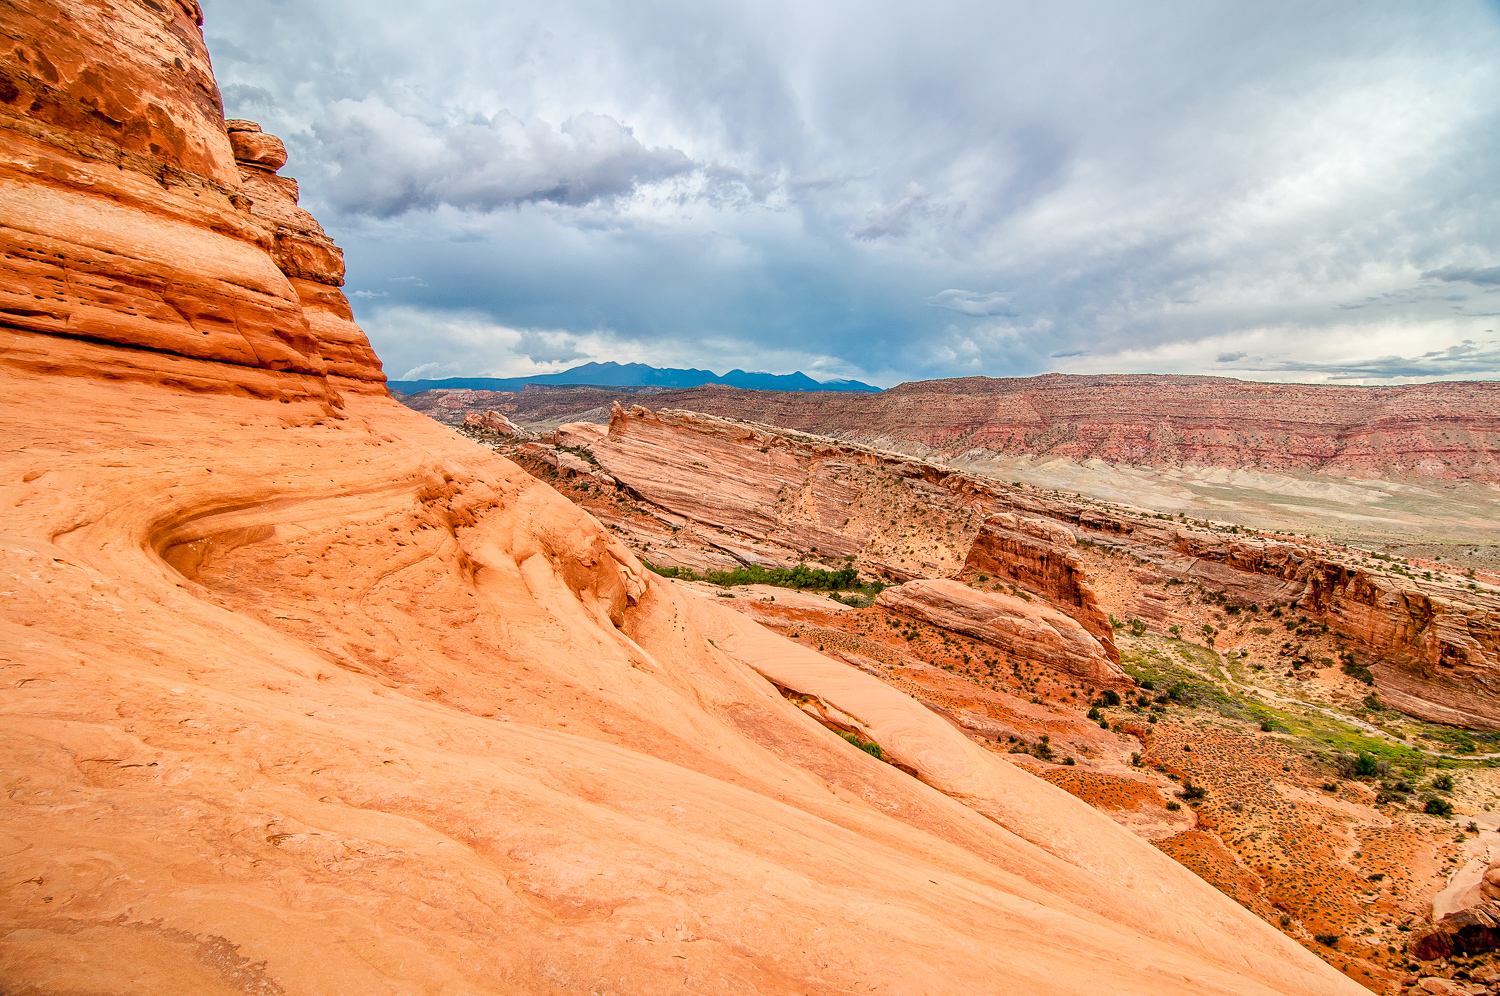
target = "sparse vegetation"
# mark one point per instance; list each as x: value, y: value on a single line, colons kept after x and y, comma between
x: 868, y: 746
x: 800, y: 577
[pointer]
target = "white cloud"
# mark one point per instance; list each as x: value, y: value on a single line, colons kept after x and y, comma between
x: 896, y: 219
x: 787, y: 185
x: 388, y: 163
x: 971, y: 302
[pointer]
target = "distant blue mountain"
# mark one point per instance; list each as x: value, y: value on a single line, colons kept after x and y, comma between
x: 637, y: 375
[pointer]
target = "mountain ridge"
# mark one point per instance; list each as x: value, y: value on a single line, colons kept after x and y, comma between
x: 612, y: 374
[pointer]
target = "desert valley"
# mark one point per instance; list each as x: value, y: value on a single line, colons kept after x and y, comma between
x: 1134, y: 684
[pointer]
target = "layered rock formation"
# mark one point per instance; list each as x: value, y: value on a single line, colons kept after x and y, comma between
x: 767, y: 496
x: 1447, y: 431
x: 129, y: 222
x: 1028, y: 629
x: 735, y: 492
x: 306, y: 693
x: 1432, y: 640
x: 494, y: 422
x: 1038, y: 553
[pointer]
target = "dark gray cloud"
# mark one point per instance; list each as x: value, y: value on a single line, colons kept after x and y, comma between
x: 875, y: 191
x: 1467, y: 359
x: 1465, y: 274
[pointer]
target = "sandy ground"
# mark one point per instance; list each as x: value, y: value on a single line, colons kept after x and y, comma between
x: 1444, y: 513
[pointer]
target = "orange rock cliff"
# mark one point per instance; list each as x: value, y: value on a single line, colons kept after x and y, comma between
x: 302, y: 692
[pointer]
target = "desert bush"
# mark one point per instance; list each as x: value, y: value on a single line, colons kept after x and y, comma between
x: 868, y: 746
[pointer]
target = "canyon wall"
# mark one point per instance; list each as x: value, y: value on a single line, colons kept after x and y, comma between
x: 1445, y: 431
x: 739, y: 492
x: 306, y: 693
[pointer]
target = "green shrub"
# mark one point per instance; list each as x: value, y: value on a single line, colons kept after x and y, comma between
x: 801, y: 576
x: 868, y: 746
x: 1438, y: 807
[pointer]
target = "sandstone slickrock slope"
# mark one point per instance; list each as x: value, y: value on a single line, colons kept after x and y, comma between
x: 304, y: 693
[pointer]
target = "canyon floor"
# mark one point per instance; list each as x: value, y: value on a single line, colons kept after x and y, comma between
x: 1226, y: 757
x: 1454, y: 519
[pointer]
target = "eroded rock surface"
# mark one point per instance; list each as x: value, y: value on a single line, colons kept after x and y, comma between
x: 493, y: 421
x: 305, y: 692
x: 1029, y: 629
x: 1469, y: 931
x: 733, y: 492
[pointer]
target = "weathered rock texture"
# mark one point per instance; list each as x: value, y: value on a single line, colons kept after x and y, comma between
x: 128, y: 221
x: 1433, y: 643
x: 1469, y: 931
x: 1038, y: 553
x: 767, y: 496
x: 1025, y: 628
x: 1445, y: 431
x: 494, y: 422
x: 736, y: 492
x: 304, y: 693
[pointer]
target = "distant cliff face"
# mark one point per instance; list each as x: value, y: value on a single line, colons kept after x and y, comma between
x: 1448, y: 431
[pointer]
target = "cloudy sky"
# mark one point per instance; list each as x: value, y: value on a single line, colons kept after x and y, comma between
x: 891, y: 191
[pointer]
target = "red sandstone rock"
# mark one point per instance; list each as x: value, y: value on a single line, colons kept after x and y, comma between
x: 1032, y: 630
x: 252, y: 147
x: 302, y: 697
x: 1446, y: 430
x: 1467, y: 932
x: 1434, y: 646
x: 1036, y: 552
x: 493, y: 421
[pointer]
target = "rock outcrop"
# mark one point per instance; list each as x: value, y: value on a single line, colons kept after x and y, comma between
x: 129, y: 222
x: 305, y: 692
x: 1431, y: 639
x: 773, y: 497
x: 1031, y: 630
x: 1467, y: 932
x: 494, y: 422
x: 1037, y: 552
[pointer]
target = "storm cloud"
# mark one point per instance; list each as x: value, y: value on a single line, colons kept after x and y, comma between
x: 873, y: 190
